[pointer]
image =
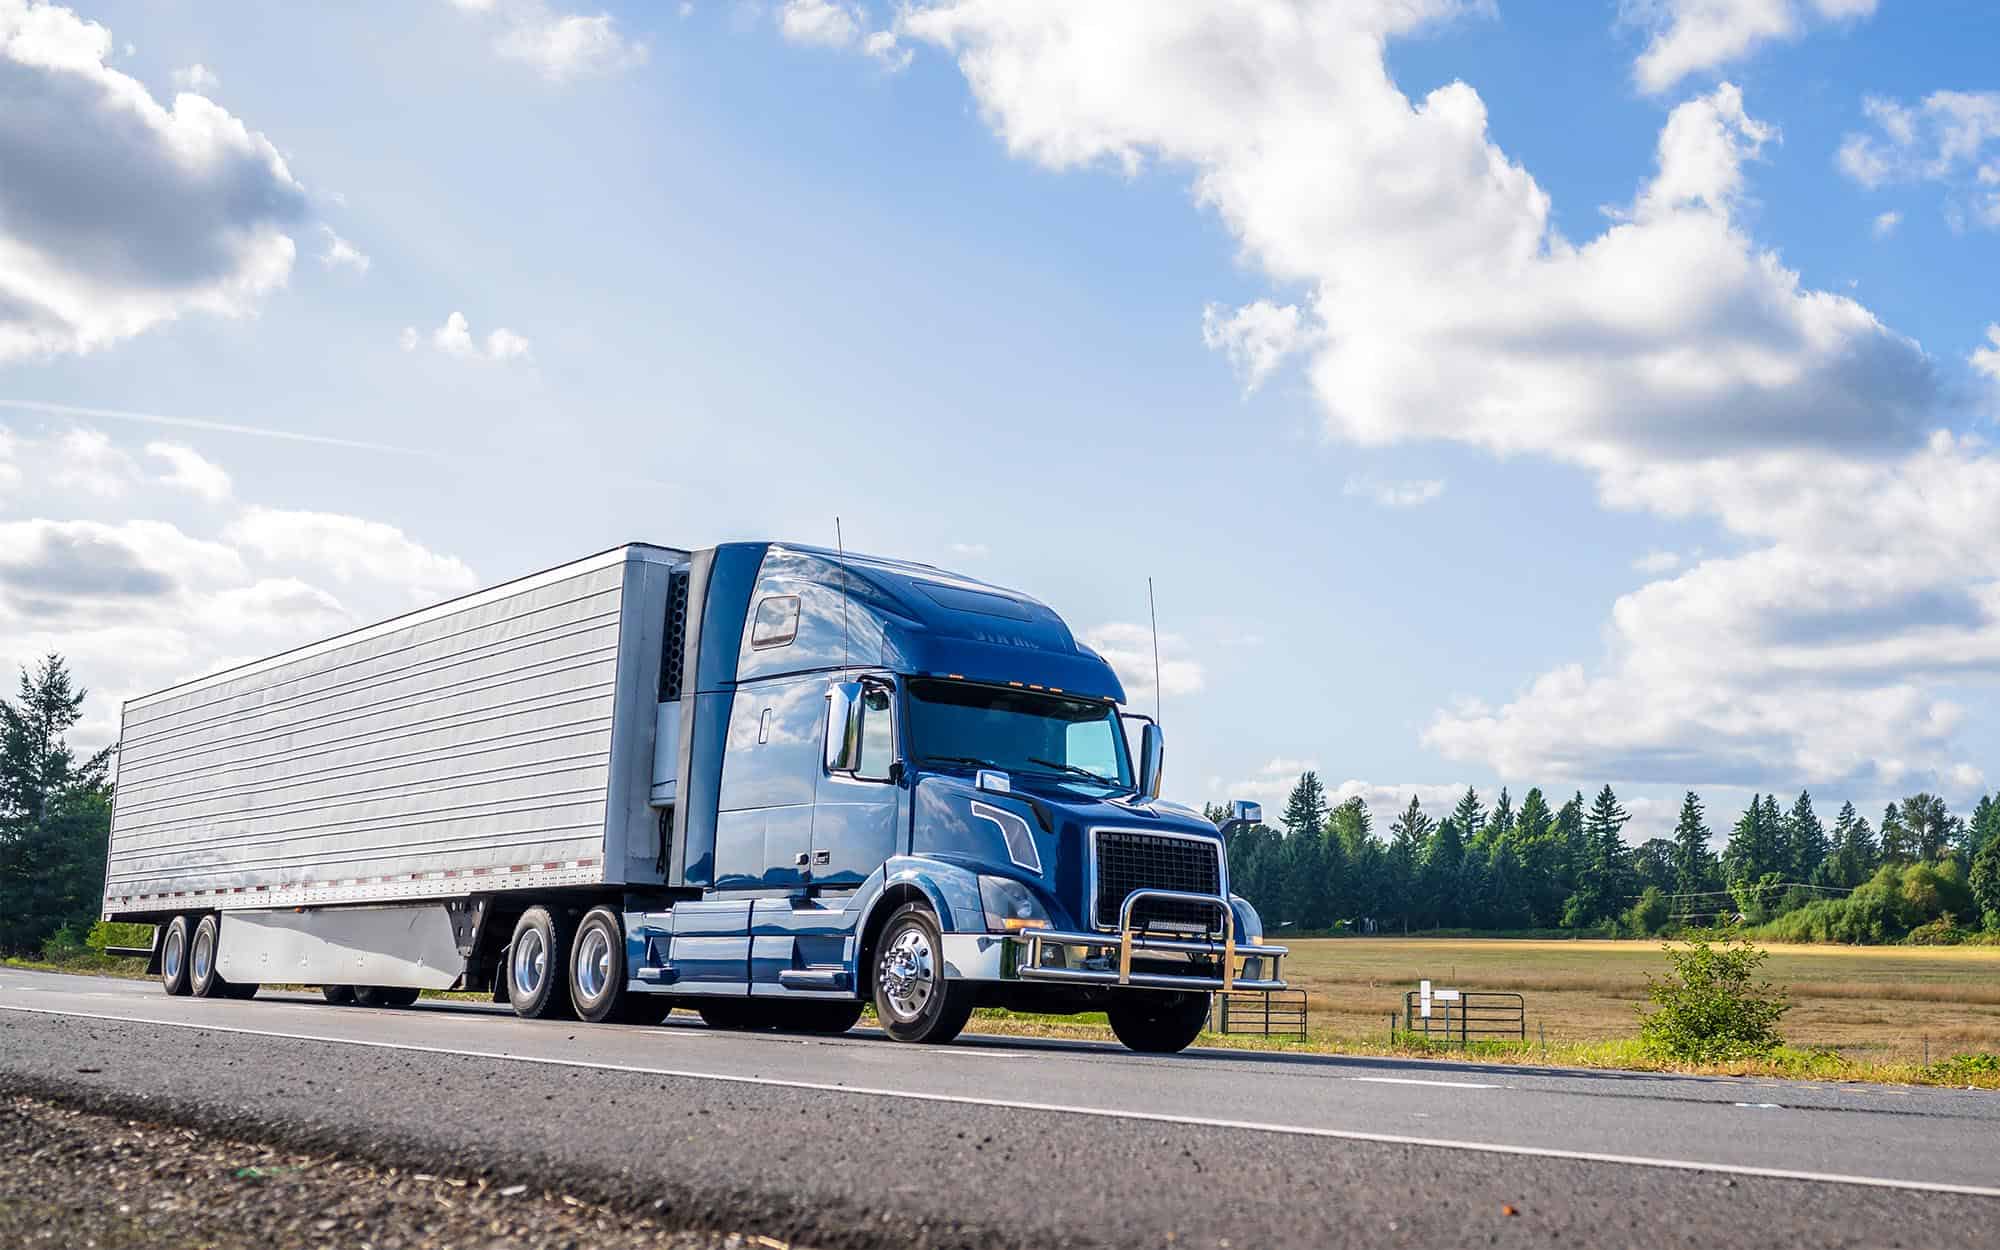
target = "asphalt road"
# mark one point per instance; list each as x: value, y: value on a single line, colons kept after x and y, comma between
x: 1000, y: 1141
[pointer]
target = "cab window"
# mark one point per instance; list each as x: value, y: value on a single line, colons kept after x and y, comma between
x: 776, y: 623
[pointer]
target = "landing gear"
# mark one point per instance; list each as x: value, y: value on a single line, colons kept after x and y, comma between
x: 913, y: 999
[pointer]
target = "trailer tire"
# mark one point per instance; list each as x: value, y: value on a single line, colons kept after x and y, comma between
x: 913, y: 999
x: 244, y: 990
x: 540, y: 954
x: 1158, y: 1023
x: 203, y: 980
x: 174, y: 956
x: 338, y: 995
x: 385, y: 995
x: 596, y: 966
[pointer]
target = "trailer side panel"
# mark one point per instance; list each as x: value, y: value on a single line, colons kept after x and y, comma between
x: 464, y: 748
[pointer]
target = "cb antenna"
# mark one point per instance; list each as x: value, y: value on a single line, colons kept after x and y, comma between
x: 1154, y: 614
x: 840, y: 545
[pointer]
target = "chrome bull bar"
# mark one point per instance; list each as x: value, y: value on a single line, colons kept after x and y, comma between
x: 1126, y: 940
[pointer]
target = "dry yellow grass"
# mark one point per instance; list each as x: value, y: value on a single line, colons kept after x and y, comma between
x: 1871, y: 1003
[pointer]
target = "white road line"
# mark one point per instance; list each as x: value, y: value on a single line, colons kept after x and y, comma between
x: 1103, y: 1113
x: 1411, y: 1080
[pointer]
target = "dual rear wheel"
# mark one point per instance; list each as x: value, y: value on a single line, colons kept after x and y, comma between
x: 188, y: 951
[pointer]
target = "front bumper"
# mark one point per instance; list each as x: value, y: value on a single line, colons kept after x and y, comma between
x: 1077, y: 969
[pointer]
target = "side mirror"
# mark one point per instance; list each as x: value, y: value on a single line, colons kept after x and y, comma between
x: 843, y: 727
x: 1152, y: 760
x: 1243, y: 814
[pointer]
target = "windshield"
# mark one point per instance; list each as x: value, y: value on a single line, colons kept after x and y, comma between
x: 1017, y: 730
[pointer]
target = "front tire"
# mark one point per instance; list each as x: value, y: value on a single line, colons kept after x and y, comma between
x: 913, y: 999
x: 174, y: 957
x: 596, y: 966
x: 1158, y: 1023
x: 537, y: 966
x: 203, y: 980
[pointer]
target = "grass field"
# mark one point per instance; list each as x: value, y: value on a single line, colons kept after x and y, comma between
x: 1871, y: 1003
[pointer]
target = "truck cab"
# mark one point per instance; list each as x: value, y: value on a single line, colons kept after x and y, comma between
x: 882, y: 782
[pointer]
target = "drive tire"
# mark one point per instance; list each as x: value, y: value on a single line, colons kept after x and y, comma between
x: 174, y: 956
x: 739, y: 1014
x: 203, y: 980
x: 913, y: 999
x: 385, y: 995
x: 596, y: 966
x: 338, y: 995
x: 1158, y: 1023
x: 539, y: 953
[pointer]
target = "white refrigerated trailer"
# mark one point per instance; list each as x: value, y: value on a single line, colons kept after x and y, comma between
x: 502, y: 743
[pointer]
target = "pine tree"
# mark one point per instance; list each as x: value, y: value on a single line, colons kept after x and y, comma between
x: 55, y: 813
x: 1500, y: 823
x: 1854, y: 852
x: 1805, y: 839
x: 1929, y: 825
x: 1985, y: 825
x: 1756, y: 846
x: 1306, y: 810
x: 1985, y: 882
x: 1693, y: 863
x: 1409, y: 842
x: 1443, y: 863
x: 1898, y: 846
x: 1470, y: 815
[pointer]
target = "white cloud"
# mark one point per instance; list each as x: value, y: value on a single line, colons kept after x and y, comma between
x: 1255, y: 337
x: 139, y: 604
x: 826, y: 23
x: 349, y: 549
x: 1885, y: 223
x: 340, y: 254
x: 974, y: 551
x: 1987, y: 359
x: 1949, y: 137
x: 190, y: 472
x: 1669, y: 355
x: 559, y: 46
x: 141, y: 213
x: 1128, y: 649
x: 567, y: 46
x: 883, y: 46
x: 1695, y: 36
x: 196, y: 77
x: 454, y: 338
x: 1657, y: 562
x: 86, y: 462
x: 1393, y: 494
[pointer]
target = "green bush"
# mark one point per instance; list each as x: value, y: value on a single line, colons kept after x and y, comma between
x: 1943, y: 931
x: 1711, y: 1007
x: 1961, y: 1069
x: 1650, y: 914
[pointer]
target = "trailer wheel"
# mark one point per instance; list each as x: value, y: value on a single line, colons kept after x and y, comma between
x: 203, y: 980
x: 913, y: 999
x: 174, y: 957
x: 385, y: 995
x: 338, y: 995
x: 1158, y: 1024
x: 245, y: 990
x: 537, y: 983
x: 596, y: 966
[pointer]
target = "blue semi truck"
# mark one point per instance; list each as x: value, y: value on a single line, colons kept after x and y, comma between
x: 772, y: 783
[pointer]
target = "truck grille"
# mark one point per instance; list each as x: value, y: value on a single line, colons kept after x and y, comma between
x: 1146, y: 861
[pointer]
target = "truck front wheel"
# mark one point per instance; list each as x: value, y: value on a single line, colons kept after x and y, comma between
x: 913, y: 999
x: 1158, y: 1023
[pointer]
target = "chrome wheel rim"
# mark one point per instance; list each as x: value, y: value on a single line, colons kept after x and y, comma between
x: 907, y: 973
x: 204, y: 955
x: 531, y: 961
x: 170, y: 957
x: 593, y: 964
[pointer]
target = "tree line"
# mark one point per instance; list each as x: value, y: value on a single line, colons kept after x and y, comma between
x: 1541, y: 867
x: 55, y: 814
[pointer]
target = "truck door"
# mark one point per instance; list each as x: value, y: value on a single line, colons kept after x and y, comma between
x: 770, y: 765
x: 855, y: 812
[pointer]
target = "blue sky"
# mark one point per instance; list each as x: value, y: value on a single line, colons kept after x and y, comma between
x: 1495, y: 393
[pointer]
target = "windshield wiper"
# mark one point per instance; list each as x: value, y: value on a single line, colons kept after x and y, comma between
x: 968, y: 761
x: 1075, y: 771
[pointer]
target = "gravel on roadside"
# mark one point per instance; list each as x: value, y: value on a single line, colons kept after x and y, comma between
x: 72, y: 1179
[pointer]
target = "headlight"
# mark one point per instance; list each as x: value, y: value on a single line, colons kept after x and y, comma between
x: 1010, y: 906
